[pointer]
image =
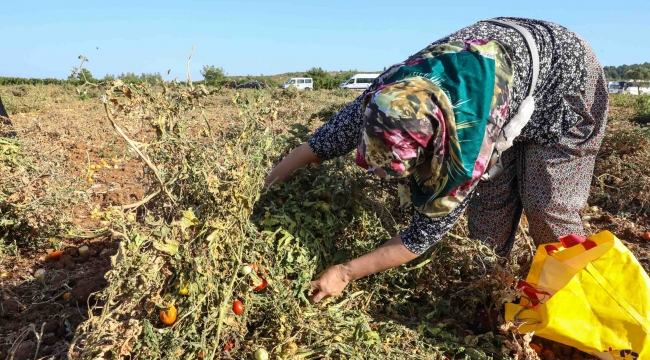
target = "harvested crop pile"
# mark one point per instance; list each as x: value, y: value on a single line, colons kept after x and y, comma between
x: 210, y: 265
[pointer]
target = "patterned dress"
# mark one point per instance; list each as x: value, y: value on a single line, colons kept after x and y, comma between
x: 548, y: 171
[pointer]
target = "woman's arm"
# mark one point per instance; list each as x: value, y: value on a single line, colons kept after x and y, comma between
x: 332, y: 281
x: 297, y: 158
x: 423, y: 233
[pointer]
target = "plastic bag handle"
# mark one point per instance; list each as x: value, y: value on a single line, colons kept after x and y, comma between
x: 532, y: 47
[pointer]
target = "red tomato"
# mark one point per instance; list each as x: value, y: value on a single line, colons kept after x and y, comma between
x: 646, y: 236
x: 261, y: 286
x: 238, y: 307
x: 537, y: 348
x: 229, y: 345
x: 56, y: 254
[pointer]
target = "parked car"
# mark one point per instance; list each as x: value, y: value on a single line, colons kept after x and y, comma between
x: 299, y: 83
x: 625, y: 87
x: 253, y: 85
x: 359, y: 81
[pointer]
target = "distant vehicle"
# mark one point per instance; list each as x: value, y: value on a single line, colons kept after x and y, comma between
x: 359, y: 81
x: 253, y: 85
x: 300, y: 84
x: 622, y: 87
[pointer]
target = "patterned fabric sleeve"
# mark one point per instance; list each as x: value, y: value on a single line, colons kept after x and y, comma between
x: 341, y: 134
x: 424, y: 231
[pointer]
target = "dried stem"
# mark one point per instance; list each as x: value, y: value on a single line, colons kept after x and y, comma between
x: 189, y: 77
x: 137, y: 150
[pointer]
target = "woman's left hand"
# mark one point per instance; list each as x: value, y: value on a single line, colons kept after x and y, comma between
x: 330, y: 282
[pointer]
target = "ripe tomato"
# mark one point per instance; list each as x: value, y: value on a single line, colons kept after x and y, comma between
x: 538, y: 350
x: 56, y: 254
x: 646, y: 236
x: 548, y: 352
x: 168, y: 316
x: 261, y: 286
x: 238, y: 307
x: 229, y: 345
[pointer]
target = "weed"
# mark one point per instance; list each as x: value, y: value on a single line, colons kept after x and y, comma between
x: 642, y: 108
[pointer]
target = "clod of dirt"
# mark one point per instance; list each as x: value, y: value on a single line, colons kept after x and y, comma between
x: 607, y: 218
x: 25, y: 350
x: 630, y: 233
x: 85, y: 287
x: 50, y: 327
x: 72, y: 251
x: 106, y: 253
x: 65, y: 262
x: 9, y: 308
x: 50, y: 339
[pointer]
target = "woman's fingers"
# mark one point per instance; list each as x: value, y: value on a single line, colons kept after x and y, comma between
x: 316, y: 294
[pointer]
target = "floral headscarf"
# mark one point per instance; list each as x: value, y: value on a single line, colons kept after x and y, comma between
x: 437, y: 114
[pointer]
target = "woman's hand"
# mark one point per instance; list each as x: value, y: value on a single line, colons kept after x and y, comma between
x: 299, y: 157
x: 330, y: 282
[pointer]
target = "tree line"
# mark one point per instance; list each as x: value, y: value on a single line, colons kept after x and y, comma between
x: 628, y: 72
x: 216, y: 76
x: 85, y: 76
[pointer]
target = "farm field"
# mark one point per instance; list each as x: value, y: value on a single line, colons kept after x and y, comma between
x: 137, y: 200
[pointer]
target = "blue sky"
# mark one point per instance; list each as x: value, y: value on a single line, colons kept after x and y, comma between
x: 44, y: 38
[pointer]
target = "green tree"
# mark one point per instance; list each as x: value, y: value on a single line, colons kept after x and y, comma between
x: 129, y: 78
x: 151, y: 78
x: 83, y: 75
x: 213, y: 75
x: 637, y: 73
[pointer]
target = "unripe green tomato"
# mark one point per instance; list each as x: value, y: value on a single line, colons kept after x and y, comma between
x: 261, y: 354
x: 245, y: 270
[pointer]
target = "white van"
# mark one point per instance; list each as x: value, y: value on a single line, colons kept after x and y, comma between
x: 300, y: 83
x: 359, y: 81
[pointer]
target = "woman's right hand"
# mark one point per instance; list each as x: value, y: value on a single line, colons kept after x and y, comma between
x: 299, y: 157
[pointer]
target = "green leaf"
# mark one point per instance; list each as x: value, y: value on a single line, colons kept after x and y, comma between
x: 371, y: 337
x: 212, y: 236
x: 189, y: 219
x: 169, y: 246
x: 475, y: 354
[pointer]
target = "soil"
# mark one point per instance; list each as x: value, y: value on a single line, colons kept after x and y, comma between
x: 43, y: 313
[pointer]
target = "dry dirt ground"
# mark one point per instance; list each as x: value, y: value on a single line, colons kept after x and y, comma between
x: 76, y: 134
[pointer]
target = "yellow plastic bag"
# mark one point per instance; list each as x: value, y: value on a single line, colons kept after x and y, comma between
x: 591, y: 294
